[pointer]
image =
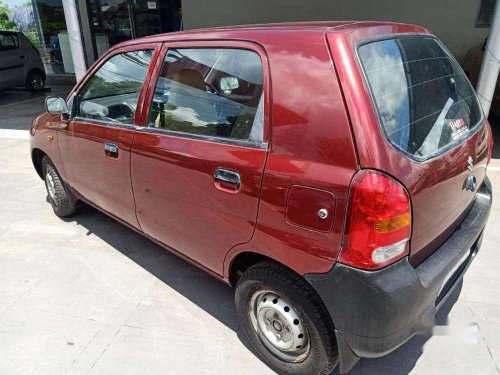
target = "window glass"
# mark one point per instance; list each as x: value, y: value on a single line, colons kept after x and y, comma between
x: 115, y: 21
x: 210, y: 91
x: 424, y: 100
x: 8, y: 41
x: 113, y: 91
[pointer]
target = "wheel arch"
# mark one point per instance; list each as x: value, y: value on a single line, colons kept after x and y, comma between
x: 243, y: 261
x: 37, y: 157
x: 36, y: 69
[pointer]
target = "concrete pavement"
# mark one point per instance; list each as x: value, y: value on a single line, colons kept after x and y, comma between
x: 86, y: 295
x: 18, y: 106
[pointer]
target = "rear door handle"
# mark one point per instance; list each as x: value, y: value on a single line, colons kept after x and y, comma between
x: 22, y: 57
x: 111, y: 150
x: 227, y: 180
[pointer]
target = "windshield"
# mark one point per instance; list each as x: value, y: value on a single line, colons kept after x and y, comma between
x: 424, y: 100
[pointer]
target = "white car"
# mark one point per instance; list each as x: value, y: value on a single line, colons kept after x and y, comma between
x: 20, y: 62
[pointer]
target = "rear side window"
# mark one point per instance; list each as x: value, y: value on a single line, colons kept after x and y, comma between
x: 424, y: 100
x: 8, y: 41
x: 214, y: 92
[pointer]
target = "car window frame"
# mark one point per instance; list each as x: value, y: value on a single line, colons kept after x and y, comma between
x: 156, y: 47
x: 477, y: 126
x: 220, y: 44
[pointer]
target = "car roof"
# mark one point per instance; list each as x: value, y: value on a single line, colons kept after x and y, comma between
x: 245, y: 31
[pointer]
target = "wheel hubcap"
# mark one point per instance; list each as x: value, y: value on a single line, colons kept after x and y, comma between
x: 51, y: 188
x: 279, y: 326
x: 37, y: 82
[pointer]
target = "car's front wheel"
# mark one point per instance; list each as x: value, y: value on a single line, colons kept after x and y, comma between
x: 285, y: 320
x: 60, y: 198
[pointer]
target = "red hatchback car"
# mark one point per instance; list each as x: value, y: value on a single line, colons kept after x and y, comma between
x: 333, y: 173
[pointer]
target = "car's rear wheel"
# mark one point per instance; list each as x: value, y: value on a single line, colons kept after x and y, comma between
x: 35, y: 81
x: 63, y: 203
x: 285, y: 320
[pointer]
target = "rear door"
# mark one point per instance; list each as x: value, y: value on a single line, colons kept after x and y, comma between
x: 427, y: 132
x: 12, y: 60
x: 95, y: 142
x: 197, y: 166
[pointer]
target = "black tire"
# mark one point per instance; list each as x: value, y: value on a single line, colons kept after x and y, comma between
x: 35, y: 81
x: 62, y: 201
x: 322, y: 355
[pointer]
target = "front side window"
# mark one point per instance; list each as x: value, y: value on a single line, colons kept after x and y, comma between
x: 213, y: 92
x: 8, y: 41
x: 113, y: 91
x: 424, y: 100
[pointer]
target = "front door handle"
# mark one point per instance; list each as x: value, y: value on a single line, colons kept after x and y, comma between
x: 111, y: 150
x: 227, y: 180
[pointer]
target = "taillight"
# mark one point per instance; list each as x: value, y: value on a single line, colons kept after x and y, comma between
x: 490, y: 147
x: 378, y: 226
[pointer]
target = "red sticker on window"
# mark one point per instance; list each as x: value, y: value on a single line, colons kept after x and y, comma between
x: 458, y: 128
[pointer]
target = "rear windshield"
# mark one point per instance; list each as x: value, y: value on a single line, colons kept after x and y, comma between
x: 424, y: 100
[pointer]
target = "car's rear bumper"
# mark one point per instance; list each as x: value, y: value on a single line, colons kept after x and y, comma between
x: 375, y: 312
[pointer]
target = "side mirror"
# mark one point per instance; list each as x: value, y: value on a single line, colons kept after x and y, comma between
x: 56, y: 104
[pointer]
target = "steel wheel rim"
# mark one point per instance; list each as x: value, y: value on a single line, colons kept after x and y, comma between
x: 37, y: 82
x: 279, y: 326
x: 51, y: 187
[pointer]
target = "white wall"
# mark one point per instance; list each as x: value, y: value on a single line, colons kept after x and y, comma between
x: 453, y: 21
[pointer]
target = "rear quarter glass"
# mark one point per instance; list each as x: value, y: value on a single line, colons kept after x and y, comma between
x: 424, y: 101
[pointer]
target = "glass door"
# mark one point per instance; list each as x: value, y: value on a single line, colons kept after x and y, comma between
x: 146, y: 18
x: 114, y: 21
x: 111, y: 22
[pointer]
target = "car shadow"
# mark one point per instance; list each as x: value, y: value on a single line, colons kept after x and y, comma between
x: 215, y: 297
x: 208, y: 293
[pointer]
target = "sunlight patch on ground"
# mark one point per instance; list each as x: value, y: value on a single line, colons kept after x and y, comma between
x: 14, y: 134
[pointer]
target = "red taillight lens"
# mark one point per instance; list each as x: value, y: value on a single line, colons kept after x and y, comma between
x: 378, y: 225
x: 490, y: 148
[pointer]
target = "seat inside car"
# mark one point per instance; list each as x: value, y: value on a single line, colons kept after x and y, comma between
x: 187, y: 91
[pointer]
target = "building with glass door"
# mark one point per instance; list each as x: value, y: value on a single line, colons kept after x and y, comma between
x: 103, y: 23
x: 461, y: 24
x: 109, y: 22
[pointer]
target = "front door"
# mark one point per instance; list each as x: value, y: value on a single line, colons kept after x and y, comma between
x: 197, y: 167
x: 95, y: 144
x: 12, y: 60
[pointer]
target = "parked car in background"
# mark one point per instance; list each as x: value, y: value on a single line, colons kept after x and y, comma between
x: 20, y: 62
x: 472, y: 67
x: 333, y: 173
